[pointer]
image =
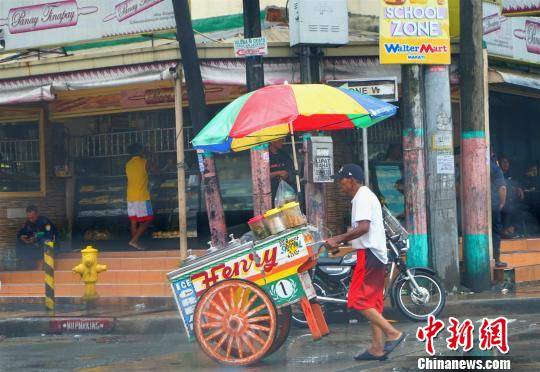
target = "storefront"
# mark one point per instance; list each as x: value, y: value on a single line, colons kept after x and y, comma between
x: 515, y: 137
x: 84, y: 121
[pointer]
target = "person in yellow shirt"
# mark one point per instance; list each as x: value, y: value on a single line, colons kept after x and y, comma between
x: 139, y: 205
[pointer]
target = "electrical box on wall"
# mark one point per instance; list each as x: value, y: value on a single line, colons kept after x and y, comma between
x: 318, y: 22
x: 321, y: 159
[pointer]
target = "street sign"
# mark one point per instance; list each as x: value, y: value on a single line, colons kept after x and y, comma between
x: 414, y: 32
x: 384, y: 89
x: 256, y: 46
x: 81, y: 325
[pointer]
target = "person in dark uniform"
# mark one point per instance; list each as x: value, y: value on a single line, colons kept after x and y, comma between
x: 281, y: 166
x: 498, y: 200
x: 36, y: 231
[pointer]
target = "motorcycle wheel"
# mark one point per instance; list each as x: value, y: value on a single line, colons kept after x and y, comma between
x: 409, y: 301
x: 298, y: 317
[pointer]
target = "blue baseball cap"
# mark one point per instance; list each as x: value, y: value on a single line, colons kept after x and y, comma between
x: 350, y: 171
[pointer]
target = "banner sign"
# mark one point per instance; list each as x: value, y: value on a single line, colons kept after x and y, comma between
x: 516, y: 38
x: 135, y: 98
x: 256, y: 46
x: 37, y: 23
x: 519, y: 8
x: 414, y: 32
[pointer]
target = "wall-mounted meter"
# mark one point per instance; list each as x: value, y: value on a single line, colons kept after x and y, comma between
x: 321, y: 160
x: 318, y: 22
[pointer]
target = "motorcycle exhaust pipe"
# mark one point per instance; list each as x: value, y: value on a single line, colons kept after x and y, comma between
x: 331, y: 300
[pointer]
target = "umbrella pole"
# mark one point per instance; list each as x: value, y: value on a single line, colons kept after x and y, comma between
x: 295, y: 159
x: 366, y: 156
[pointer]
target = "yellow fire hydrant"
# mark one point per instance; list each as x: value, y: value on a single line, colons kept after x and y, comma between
x: 89, y: 269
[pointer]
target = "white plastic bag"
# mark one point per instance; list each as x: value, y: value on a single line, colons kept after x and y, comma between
x: 284, y: 194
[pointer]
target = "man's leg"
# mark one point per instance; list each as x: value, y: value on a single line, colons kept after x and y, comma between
x: 496, y: 235
x: 384, y: 325
x: 134, y: 225
x: 377, y: 342
x: 143, y: 226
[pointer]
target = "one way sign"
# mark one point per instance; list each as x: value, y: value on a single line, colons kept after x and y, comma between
x: 384, y: 89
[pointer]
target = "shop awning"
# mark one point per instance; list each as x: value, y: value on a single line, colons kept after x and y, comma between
x: 224, y: 72
x: 217, y: 72
x: 514, y: 82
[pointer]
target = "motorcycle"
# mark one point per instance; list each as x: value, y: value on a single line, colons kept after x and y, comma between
x: 416, y: 291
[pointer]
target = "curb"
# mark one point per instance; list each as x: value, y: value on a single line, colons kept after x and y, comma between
x: 153, y: 323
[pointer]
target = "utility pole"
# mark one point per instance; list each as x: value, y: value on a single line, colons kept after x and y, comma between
x: 314, y: 192
x: 440, y: 176
x: 412, y: 110
x: 260, y: 157
x: 474, y: 149
x: 199, y: 118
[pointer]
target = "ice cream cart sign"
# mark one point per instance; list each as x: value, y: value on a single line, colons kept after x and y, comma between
x: 186, y: 300
x: 39, y: 23
x: 414, y: 31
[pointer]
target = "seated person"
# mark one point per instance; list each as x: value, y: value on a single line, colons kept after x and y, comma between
x: 530, y: 180
x: 515, y: 213
x: 36, y: 231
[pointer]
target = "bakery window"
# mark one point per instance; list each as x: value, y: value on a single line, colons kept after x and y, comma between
x: 22, y: 163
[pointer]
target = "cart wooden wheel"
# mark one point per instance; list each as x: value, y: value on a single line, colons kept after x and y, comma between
x: 284, y: 316
x: 235, y: 322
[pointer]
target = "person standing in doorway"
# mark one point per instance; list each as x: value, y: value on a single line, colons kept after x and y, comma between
x: 139, y: 205
x: 498, y: 200
x: 281, y: 166
x: 368, y: 237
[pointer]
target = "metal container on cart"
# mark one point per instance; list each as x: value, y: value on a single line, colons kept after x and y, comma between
x: 236, y: 301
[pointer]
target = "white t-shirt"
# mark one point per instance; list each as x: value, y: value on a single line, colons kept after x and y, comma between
x: 366, y: 207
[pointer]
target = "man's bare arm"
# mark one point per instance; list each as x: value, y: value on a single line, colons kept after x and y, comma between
x: 358, y: 231
x: 502, y: 196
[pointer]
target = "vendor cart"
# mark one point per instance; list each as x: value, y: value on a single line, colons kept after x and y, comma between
x: 236, y: 301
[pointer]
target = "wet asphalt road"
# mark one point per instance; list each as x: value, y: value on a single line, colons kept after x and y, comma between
x: 171, y: 352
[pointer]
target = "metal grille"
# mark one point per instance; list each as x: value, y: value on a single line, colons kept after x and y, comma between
x: 20, y: 151
x: 158, y: 140
x: 386, y: 132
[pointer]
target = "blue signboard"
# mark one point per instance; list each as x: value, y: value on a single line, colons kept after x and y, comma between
x: 186, y: 300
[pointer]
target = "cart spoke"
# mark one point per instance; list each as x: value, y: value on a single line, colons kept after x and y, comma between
x: 233, y: 302
x: 258, y: 319
x: 239, y: 347
x: 214, y: 335
x: 208, y: 314
x: 256, y: 310
x: 211, y: 325
x: 220, y: 342
x: 223, y: 301
x: 249, y: 344
x: 250, y: 302
x: 255, y: 337
x: 229, y: 347
x: 213, y: 302
x: 241, y: 298
x: 259, y: 328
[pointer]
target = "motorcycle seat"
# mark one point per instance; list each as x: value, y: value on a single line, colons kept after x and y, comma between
x: 329, y: 261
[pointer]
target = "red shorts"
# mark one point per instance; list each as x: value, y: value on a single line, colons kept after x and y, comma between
x: 367, y: 284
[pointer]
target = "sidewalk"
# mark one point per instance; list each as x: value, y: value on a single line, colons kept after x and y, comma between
x: 151, y: 315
